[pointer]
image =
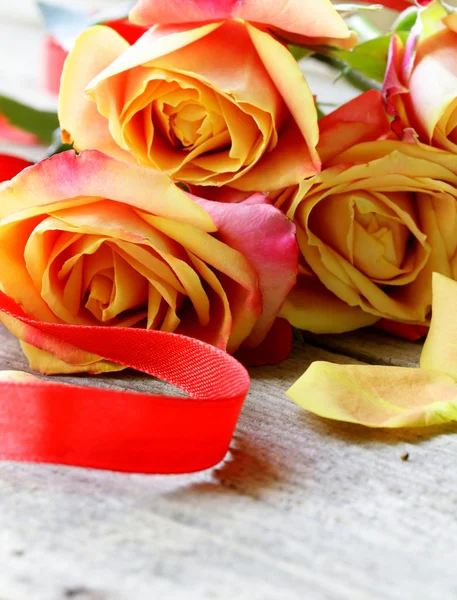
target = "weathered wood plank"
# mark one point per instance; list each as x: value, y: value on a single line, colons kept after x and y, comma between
x: 371, y: 346
x: 300, y: 508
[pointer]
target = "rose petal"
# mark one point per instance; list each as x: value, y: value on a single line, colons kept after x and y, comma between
x: 94, y: 175
x: 377, y: 396
x: 392, y: 396
x: 48, y: 356
x: 80, y: 121
x: 304, y: 17
x: 407, y: 332
x: 438, y: 65
x: 440, y: 351
x: 19, y: 376
x: 311, y: 307
x: 273, y: 254
x: 363, y: 119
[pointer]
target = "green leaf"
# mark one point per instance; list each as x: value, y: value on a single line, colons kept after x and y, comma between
x: 299, y: 52
x: 368, y: 58
x: 40, y: 123
x: 363, y: 27
x: 405, y: 20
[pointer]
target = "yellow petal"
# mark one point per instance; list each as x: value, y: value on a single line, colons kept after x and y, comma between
x: 311, y: 307
x: 392, y: 396
x: 377, y: 396
x: 48, y: 364
x: 80, y: 121
x: 440, y: 348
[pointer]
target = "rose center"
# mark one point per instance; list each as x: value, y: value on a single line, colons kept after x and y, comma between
x: 186, y: 123
x: 365, y: 231
x: 185, y: 119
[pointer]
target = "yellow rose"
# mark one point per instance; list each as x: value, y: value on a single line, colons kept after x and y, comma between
x: 372, y: 227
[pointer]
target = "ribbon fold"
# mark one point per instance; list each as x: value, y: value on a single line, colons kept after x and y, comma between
x: 42, y: 421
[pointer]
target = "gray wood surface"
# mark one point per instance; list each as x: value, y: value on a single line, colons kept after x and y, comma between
x: 301, y: 508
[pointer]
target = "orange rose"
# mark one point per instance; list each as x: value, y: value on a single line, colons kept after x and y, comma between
x: 216, y: 104
x: 88, y: 240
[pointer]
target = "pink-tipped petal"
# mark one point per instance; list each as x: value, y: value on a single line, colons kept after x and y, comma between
x: 309, y: 18
x: 266, y: 237
x: 96, y: 175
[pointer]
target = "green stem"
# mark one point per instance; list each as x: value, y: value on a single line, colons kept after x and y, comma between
x: 355, y: 78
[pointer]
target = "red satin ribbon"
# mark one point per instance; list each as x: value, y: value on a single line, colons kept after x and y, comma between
x: 121, y: 430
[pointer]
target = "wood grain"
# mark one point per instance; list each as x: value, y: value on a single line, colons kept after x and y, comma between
x: 300, y: 508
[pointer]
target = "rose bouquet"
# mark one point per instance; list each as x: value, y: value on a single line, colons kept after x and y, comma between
x: 205, y: 195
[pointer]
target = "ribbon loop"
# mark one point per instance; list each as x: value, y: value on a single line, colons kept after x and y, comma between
x: 121, y: 430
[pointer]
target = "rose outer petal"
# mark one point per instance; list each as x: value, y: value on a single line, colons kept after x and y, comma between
x: 311, y: 307
x: 94, y: 175
x: 80, y: 121
x: 310, y: 18
x: 266, y: 238
x: 438, y: 65
x: 363, y: 119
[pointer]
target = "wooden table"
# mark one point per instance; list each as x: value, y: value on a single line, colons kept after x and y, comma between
x: 301, y: 508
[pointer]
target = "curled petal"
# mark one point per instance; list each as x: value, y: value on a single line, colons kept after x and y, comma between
x: 80, y: 121
x: 440, y: 352
x: 435, y: 105
x: 392, y: 396
x: 94, y: 175
x: 377, y: 396
x: 273, y: 254
x: 312, y: 307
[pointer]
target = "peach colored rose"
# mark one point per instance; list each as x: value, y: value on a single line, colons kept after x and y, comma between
x: 89, y: 240
x: 372, y: 227
x: 421, y: 81
x: 303, y: 21
x: 216, y: 104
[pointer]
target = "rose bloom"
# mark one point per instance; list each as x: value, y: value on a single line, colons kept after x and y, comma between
x: 215, y: 104
x: 421, y: 81
x: 372, y: 227
x: 88, y: 240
